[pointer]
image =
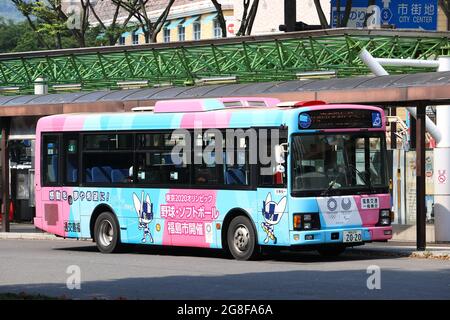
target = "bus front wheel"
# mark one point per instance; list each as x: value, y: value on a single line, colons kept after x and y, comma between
x: 106, y: 233
x: 241, y: 238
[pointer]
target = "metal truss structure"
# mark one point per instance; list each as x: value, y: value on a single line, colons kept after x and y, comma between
x: 245, y: 59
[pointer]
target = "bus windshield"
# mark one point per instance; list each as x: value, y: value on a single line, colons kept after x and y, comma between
x: 339, y: 164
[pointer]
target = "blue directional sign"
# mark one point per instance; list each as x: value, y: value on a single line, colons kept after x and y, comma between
x: 403, y: 14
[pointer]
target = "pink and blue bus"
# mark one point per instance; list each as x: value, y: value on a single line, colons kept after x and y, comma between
x: 239, y: 174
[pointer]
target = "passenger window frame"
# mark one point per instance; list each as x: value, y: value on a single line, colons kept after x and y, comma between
x: 132, y: 181
x: 64, y: 156
x: 43, y: 167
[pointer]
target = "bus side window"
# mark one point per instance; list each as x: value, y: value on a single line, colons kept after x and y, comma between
x: 237, y: 168
x: 211, y: 169
x: 107, y: 158
x: 268, y: 176
x: 157, y: 163
x: 71, y: 158
x: 51, y: 159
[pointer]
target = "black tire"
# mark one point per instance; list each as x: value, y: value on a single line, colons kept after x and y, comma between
x: 241, y: 239
x: 107, y: 233
x: 331, y: 251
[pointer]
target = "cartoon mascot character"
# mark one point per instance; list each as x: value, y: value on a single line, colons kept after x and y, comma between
x: 144, y: 210
x: 272, y: 213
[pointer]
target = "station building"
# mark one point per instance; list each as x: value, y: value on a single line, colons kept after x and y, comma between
x: 191, y: 20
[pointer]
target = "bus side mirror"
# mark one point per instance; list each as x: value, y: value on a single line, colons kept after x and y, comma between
x: 280, y: 151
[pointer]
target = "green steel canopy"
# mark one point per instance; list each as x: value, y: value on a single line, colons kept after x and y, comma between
x: 277, y: 57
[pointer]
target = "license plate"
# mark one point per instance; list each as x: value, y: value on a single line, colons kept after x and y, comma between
x: 352, y: 236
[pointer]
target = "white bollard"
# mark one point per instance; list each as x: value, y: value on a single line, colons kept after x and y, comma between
x: 40, y: 86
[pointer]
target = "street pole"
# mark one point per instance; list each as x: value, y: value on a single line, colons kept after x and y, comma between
x: 5, y: 176
x: 420, y: 179
x: 290, y: 14
x: 393, y: 129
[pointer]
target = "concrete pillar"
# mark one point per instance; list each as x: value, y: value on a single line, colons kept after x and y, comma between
x: 441, y: 168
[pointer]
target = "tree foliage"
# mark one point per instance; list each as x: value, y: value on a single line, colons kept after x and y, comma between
x: 114, y: 29
x: 20, y: 37
x: 247, y: 19
x: 50, y: 18
x: 348, y: 9
x: 10, y: 34
x: 137, y: 9
x: 220, y: 17
x: 322, y: 18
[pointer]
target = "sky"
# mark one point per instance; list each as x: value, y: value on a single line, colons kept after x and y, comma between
x: 9, y: 11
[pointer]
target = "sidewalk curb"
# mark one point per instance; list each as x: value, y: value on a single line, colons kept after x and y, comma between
x: 36, y: 236
x: 402, y: 253
x: 27, y: 236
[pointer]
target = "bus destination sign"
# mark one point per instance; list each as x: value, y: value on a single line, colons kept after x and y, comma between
x: 339, y: 119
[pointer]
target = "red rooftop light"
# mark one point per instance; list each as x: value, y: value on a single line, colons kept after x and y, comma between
x: 309, y: 103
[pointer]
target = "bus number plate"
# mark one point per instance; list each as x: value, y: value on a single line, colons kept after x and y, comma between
x: 352, y: 236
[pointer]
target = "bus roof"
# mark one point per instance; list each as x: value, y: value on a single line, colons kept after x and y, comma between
x: 228, y: 117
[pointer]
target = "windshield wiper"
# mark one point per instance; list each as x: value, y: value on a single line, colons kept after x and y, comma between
x: 367, y: 182
x: 330, y: 186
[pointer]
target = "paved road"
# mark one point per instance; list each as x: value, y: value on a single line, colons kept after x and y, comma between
x: 34, y: 266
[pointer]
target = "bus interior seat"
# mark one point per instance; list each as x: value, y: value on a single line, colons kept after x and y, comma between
x: 119, y: 175
x: 167, y: 158
x: 53, y: 168
x: 72, y: 172
x: 235, y: 176
x: 74, y: 175
x: 107, y: 170
x: 88, y: 176
x: 100, y: 175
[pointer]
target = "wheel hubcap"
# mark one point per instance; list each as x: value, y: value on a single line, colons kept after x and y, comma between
x: 106, y: 233
x: 241, y: 238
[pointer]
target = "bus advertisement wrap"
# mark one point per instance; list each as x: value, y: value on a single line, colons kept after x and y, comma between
x: 233, y: 178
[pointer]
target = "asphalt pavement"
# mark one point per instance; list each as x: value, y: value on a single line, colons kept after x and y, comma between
x: 52, y: 267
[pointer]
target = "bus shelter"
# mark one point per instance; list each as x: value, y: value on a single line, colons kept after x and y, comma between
x: 19, y: 115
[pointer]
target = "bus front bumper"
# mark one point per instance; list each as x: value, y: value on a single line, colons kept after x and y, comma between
x: 335, y: 236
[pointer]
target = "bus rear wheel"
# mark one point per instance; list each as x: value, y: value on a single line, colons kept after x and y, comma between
x: 241, y: 238
x: 106, y: 233
x: 331, y: 251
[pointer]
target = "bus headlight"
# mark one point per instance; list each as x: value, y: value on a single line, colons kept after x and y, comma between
x: 306, y: 221
x: 307, y: 226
